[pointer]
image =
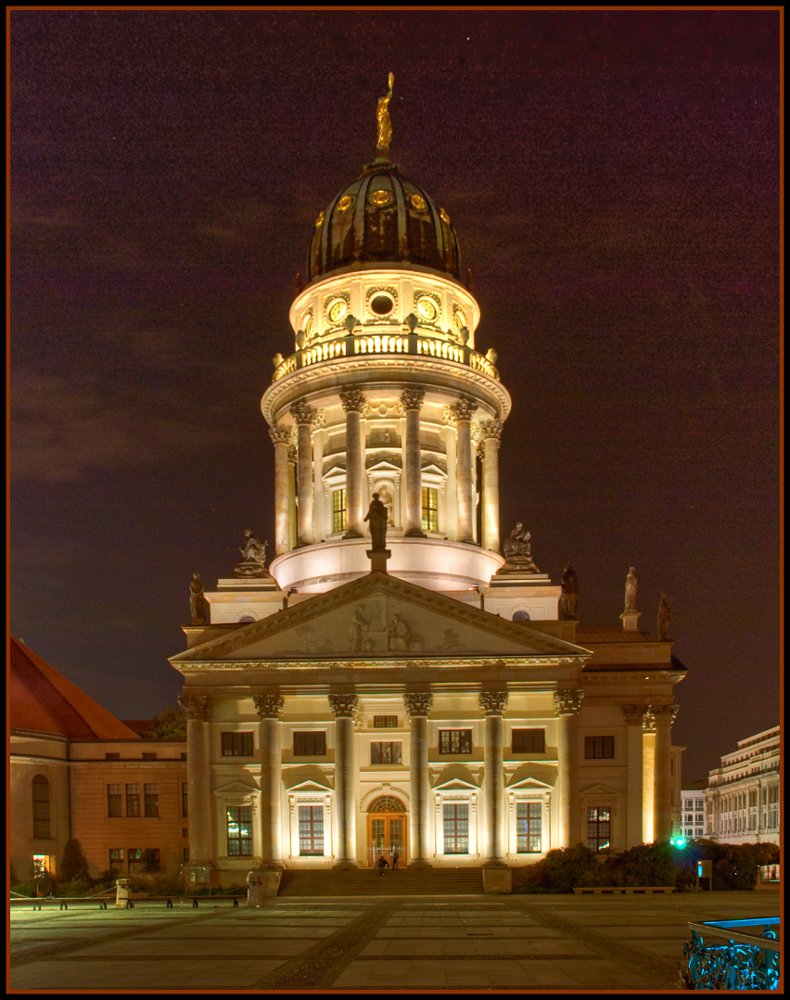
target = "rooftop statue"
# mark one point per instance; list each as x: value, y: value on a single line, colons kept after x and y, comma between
x: 253, y: 556
x: 198, y: 605
x: 569, y: 599
x: 384, y: 124
x: 663, y: 617
x: 378, y: 515
x: 630, y: 590
x: 517, y: 550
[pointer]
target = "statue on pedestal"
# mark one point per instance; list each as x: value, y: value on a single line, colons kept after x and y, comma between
x: 253, y: 556
x: 663, y: 617
x: 383, y: 121
x: 378, y: 515
x: 517, y: 551
x: 630, y: 590
x: 569, y: 599
x: 198, y: 605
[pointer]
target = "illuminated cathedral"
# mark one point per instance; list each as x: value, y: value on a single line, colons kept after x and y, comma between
x: 433, y: 698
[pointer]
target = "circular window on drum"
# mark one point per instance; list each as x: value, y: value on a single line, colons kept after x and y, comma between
x: 336, y: 310
x: 427, y: 309
x: 380, y: 197
x: 345, y: 203
x: 381, y: 304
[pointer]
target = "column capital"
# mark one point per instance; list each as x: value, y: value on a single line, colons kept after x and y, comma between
x: 463, y: 408
x: 269, y: 706
x: 634, y: 714
x: 412, y: 398
x: 343, y: 705
x: 493, y: 702
x: 292, y: 453
x: 302, y: 413
x: 418, y: 703
x: 195, y: 706
x: 649, y: 720
x: 665, y: 714
x: 280, y: 434
x: 568, y: 701
x: 353, y: 400
x: 491, y: 429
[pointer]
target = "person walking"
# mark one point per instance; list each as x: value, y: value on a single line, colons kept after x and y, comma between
x: 382, y: 864
x: 394, y: 860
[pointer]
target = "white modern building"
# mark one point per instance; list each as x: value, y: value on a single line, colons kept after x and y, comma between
x: 742, y: 798
x: 435, y: 699
x: 692, y: 817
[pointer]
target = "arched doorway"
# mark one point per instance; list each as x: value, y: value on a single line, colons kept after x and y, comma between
x: 387, y: 830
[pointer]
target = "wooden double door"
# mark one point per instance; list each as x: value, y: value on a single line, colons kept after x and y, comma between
x: 387, y: 837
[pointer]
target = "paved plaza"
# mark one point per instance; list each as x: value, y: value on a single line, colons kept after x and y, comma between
x: 463, y: 943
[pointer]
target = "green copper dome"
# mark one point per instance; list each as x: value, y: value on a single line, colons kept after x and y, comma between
x: 383, y: 218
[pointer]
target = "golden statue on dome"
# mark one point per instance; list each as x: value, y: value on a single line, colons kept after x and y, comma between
x: 384, y: 124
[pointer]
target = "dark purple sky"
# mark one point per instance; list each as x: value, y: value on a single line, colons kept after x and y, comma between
x: 614, y: 181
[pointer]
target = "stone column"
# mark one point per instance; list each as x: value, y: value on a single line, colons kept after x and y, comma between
x: 411, y: 401
x: 633, y: 818
x: 492, y: 434
x: 662, y: 811
x: 648, y: 775
x: 343, y: 707
x: 292, y: 495
x: 303, y: 415
x: 462, y: 411
x: 281, y: 437
x: 269, y: 707
x: 353, y: 401
x: 493, y: 704
x: 197, y: 709
x: 566, y: 707
x: 418, y: 705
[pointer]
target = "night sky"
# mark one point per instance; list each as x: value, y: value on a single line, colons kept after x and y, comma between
x: 613, y: 178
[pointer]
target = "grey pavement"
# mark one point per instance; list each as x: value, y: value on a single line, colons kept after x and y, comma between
x: 463, y: 943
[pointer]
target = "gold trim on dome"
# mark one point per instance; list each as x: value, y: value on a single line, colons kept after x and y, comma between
x: 380, y: 197
x: 319, y: 220
x: 418, y: 202
x: 444, y: 216
x: 345, y: 203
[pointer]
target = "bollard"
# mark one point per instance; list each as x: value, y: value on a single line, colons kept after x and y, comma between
x: 122, y: 894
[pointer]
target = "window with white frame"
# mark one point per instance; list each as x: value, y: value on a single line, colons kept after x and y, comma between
x: 528, y: 827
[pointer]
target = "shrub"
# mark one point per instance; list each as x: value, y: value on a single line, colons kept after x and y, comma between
x: 532, y: 878
x: 736, y: 868
x: 150, y: 860
x: 166, y: 885
x: 74, y: 864
x: 76, y: 887
x: 571, y: 866
x: 648, y: 864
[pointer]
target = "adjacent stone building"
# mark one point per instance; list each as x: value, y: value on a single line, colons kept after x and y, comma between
x: 742, y: 797
x: 433, y: 696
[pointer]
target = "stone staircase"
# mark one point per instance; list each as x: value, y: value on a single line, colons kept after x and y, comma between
x: 368, y: 882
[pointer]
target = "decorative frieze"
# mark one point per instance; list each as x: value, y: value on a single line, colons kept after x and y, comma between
x: 568, y: 702
x: 353, y: 400
x: 418, y: 703
x: 269, y: 706
x: 196, y: 707
x: 493, y: 702
x: 302, y: 413
x: 412, y: 398
x: 344, y: 706
x: 280, y: 434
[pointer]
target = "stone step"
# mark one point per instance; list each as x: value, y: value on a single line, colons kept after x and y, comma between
x: 368, y: 882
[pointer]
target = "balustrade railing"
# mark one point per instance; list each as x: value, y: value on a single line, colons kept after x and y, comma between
x: 733, y: 955
x: 374, y: 343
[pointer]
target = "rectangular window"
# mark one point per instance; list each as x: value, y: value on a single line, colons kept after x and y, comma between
x: 151, y: 800
x: 186, y: 854
x: 338, y: 510
x: 183, y: 755
x: 239, y: 821
x: 311, y: 830
x: 237, y: 744
x: 598, y: 828
x: 149, y: 756
x: 114, y: 801
x: 385, y: 721
x: 385, y: 753
x: 135, y: 860
x: 112, y: 756
x: 529, y: 741
x: 455, y: 741
x: 41, y: 829
x: 116, y: 858
x: 699, y: 806
x: 430, y: 509
x: 310, y: 744
x: 132, y: 800
x: 185, y: 831
x: 456, y: 827
x: 528, y: 829
x: 598, y: 747
x: 184, y: 798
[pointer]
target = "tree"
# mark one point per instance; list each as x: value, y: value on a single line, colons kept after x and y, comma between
x: 170, y: 723
x: 74, y: 864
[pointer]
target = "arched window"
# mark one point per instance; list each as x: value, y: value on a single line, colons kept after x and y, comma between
x: 521, y: 616
x: 40, y: 807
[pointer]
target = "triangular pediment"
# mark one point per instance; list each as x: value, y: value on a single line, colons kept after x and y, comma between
x: 598, y: 789
x: 532, y: 783
x: 379, y: 616
x: 238, y: 786
x: 312, y: 787
x: 456, y: 785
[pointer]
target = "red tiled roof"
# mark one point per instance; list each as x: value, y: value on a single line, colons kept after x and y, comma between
x: 43, y: 701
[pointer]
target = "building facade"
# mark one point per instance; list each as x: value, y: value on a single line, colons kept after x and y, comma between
x: 693, y: 813
x: 742, y: 797
x: 431, y: 694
